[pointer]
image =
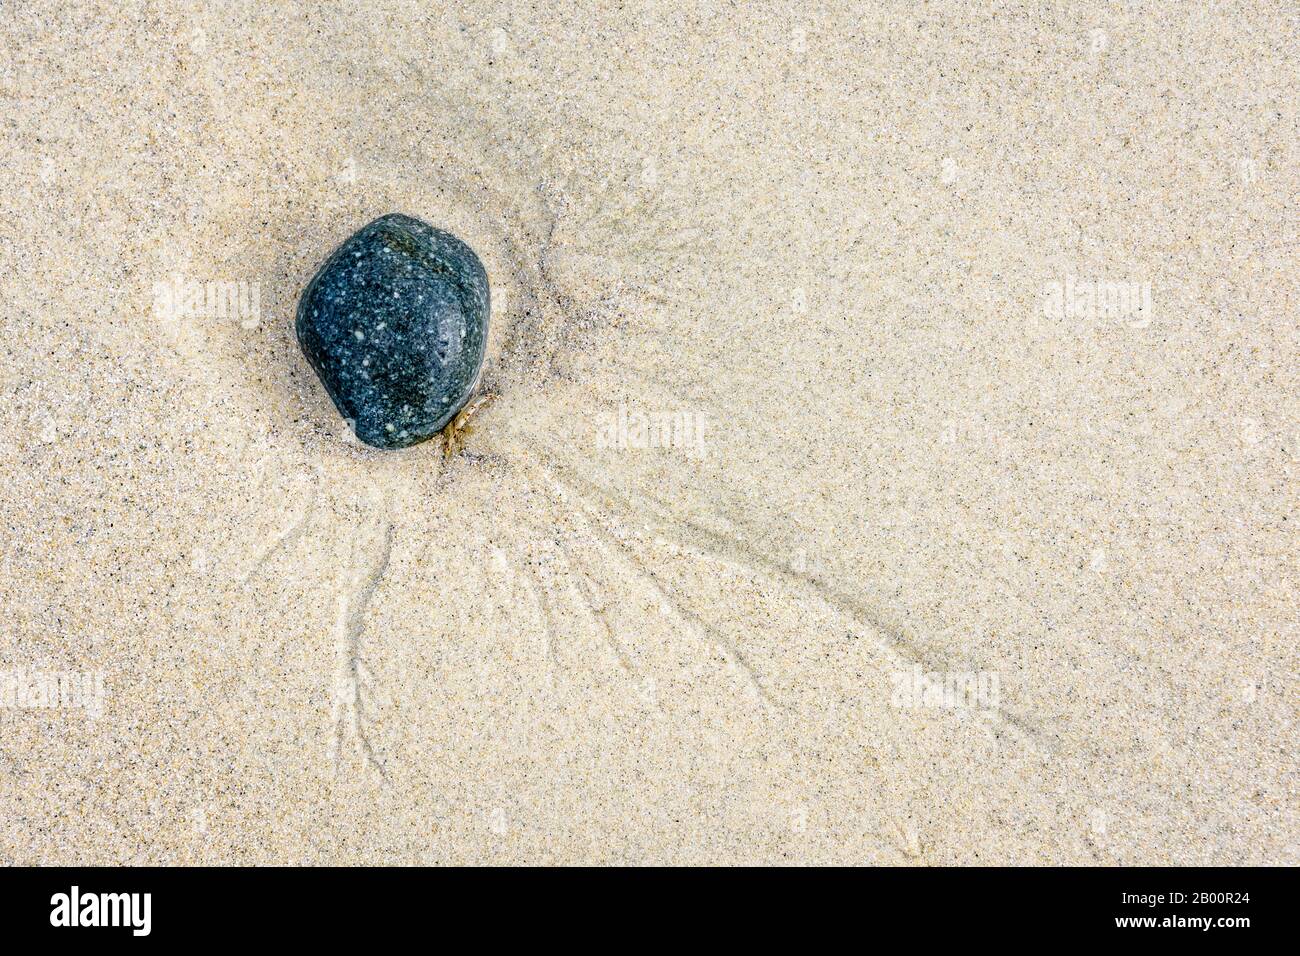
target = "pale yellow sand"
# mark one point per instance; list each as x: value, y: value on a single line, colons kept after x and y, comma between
x: 824, y: 240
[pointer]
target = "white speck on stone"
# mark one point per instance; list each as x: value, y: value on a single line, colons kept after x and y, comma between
x: 360, y: 336
x: 390, y: 427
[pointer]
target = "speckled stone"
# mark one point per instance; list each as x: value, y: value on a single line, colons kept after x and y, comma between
x: 395, y: 324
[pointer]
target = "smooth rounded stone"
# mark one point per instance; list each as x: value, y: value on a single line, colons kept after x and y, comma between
x: 395, y: 324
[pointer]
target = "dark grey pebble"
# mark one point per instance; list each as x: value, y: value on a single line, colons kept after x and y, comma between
x: 395, y: 324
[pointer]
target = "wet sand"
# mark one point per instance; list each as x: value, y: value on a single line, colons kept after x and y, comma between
x: 893, y: 457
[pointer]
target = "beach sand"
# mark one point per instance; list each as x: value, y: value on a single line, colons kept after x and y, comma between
x: 893, y: 454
